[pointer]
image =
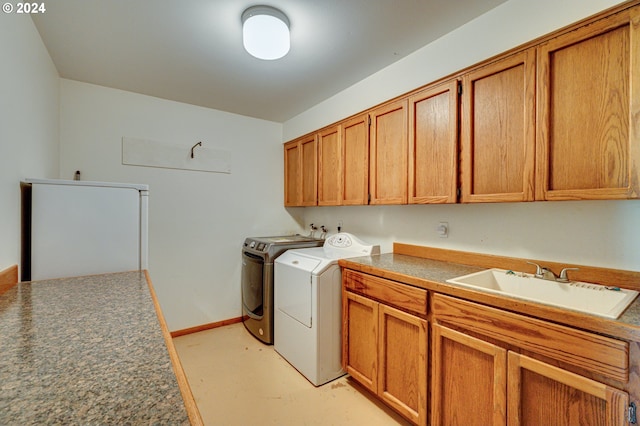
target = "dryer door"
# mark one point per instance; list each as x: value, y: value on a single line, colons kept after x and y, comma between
x: 252, y: 284
x: 292, y: 286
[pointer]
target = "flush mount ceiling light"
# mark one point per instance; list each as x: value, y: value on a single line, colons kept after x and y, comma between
x: 265, y: 32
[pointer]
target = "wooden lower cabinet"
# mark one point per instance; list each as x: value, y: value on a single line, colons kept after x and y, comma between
x: 360, y: 339
x: 487, y: 366
x: 469, y: 380
x: 541, y: 394
x: 476, y: 382
x: 402, y: 354
x: 385, y: 349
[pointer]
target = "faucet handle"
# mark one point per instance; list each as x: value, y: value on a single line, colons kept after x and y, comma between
x: 563, y: 275
x: 539, y: 269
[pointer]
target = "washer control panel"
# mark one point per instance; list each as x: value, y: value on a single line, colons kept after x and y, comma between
x: 347, y: 243
x: 339, y: 240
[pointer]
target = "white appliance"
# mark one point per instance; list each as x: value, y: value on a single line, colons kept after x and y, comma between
x: 256, y: 279
x: 73, y: 228
x: 308, y: 308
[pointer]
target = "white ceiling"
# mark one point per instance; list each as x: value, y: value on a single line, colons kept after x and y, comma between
x: 191, y: 50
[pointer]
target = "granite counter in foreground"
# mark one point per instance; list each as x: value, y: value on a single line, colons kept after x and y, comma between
x: 87, y: 350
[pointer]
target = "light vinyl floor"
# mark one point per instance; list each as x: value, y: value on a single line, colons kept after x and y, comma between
x: 238, y: 380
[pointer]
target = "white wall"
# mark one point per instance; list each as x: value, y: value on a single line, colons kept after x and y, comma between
x: 198, y: 220
x: 596, y: 233
x: 599, y: 233
x: 28, y: 122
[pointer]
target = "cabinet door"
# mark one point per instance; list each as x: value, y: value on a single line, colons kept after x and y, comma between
x: 360, y: 339
x: 355, y: 141
x: 309, y: 171
x: 541, y: 394
x: 388, y: 159
x: 469, y: 380
x: 498, y: 131
x: 433, y: 145
x: 300, y: 172
x: 330, y: 167
x: 292, y: 187
x: 402, y: 355
x: 588, y: 143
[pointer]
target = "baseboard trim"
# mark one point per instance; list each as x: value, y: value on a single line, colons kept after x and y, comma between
x: 8, y: 278
x: 204, y: 327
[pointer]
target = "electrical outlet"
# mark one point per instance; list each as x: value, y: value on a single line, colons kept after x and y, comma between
x: 443, y: 229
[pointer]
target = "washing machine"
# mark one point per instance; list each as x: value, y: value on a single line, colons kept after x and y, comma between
x: 258, y: 254
x: 308, y: 308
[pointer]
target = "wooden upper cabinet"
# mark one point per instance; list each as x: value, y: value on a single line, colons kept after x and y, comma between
x: 309, y: 171
x: 433, y: 145
x: 498, y: 130
x: 555, y: 121
x: 588, y: 141
x: 388, y: 158
x: 292, y: 185
x: 330, y: 167
x: 355, y: 141
x: 300, y: 172
x: 343, y: 163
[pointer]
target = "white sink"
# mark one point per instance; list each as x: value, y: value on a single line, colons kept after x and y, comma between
x: 593, y: 299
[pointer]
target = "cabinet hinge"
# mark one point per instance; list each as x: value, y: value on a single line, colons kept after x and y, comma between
x: 459, y: 88
x: 368, y: 198
x: 369, y: 120
x: 631, y: 413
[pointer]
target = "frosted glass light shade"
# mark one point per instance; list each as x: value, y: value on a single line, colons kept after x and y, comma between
x: 265, y: 32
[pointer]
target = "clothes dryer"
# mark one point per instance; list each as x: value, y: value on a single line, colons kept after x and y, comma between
x: 308, y: 305
x: 258, y: 254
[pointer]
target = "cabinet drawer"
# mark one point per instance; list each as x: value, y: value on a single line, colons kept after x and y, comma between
x: 600, y: 354
x: 389, y: 292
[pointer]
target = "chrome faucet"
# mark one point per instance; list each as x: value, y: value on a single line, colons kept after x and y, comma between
x: 545, y: 273
x: 563, y: 275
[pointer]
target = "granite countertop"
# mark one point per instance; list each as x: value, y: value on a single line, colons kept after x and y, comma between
x: 85, y: 350
x: 432, y: 275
